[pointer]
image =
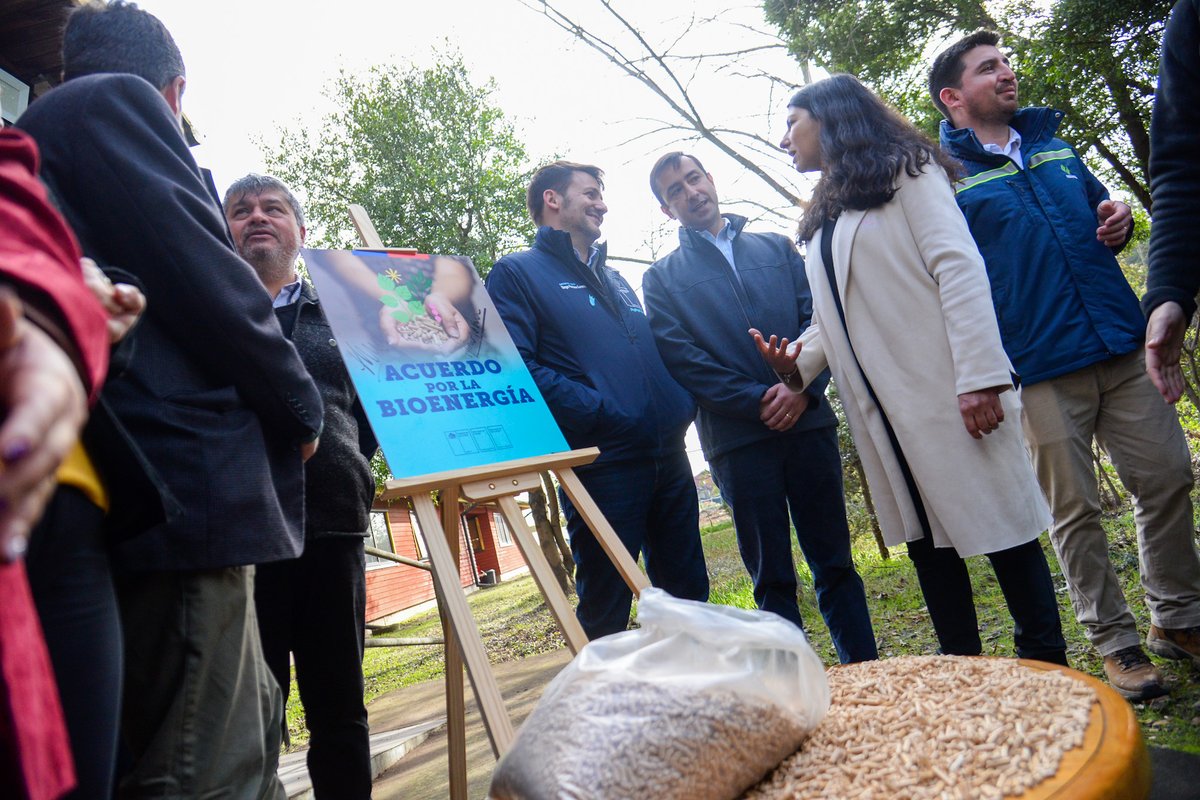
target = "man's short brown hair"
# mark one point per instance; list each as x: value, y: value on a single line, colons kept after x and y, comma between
x: 671, y: 160
x: 555, y: 176
x: 948, y: 67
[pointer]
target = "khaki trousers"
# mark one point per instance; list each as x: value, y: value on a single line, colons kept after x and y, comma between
x: 1115, y: 402
x: 202, y: 715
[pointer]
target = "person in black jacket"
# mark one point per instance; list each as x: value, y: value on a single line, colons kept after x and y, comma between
x: 771, y: 450
x: 584, y: 337
x: 211, y: 419
x: 1174, y: 276
x: 314, y: 606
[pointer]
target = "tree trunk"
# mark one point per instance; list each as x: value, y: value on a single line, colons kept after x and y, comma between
x: 568, y: 559
x: 541, y: 521
x: 1110, y: 495
x: 866, y: 493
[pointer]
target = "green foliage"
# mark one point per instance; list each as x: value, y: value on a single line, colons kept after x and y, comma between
x: 380, y: 471
x: 436, y: 164
x: 1096, y: 61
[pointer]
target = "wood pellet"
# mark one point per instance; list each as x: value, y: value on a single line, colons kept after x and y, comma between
x: 422, y: 330
x: 934, y: 727
x: 606, y: 740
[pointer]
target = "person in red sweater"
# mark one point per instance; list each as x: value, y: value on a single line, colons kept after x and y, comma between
x: 54, y: 346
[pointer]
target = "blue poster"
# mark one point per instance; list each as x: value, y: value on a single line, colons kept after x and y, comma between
x: 438, y: 375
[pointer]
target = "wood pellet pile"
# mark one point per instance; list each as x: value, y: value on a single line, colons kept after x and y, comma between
x: 935, y: 727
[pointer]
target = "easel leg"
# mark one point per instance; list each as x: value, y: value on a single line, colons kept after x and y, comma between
x: 466, y: 633
x: 456, y: 711
x: 633, y: 576
x: 559, y: 605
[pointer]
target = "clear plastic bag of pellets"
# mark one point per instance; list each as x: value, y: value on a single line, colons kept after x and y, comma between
x: 699, y: 703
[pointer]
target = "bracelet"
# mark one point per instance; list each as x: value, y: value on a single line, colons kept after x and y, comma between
x: 789, y: 377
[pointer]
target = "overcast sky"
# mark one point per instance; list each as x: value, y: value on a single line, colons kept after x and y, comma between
x: 255, y: 67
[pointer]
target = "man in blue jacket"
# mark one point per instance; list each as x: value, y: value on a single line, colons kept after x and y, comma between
x: 770, y: 449
x: 1048, y: 232
x: 582, y: 332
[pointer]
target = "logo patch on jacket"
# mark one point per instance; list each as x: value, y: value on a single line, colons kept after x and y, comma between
x: 569, y: 285
x: 1067, y: 171
x: 630, y: 300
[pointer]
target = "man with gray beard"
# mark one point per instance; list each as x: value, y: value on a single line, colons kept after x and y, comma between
x: 314, y: 606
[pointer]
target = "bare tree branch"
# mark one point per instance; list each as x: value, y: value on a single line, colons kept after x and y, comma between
x: 728, y: 54
x: 672, y: 90
x: 629, y: 259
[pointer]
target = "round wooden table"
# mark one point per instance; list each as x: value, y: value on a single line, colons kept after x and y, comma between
x: 1112, y: 762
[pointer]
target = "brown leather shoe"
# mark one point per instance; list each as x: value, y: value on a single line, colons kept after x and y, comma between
x: 1132, y: 675
x: 1177, y: 643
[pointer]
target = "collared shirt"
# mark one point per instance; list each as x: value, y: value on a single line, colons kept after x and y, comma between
x: 723, y: 241
x: 1012, y: 149
x: 593, y: 251
x: 287, y: 295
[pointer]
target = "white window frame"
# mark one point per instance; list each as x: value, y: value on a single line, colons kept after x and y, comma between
x: 503, y: 533
x: 15, y: 97
x: 418, y: 537
x: 375, y: 562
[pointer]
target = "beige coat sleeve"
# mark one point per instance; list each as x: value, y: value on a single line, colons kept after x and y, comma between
x: 953, y: 261
x: 811, y: 361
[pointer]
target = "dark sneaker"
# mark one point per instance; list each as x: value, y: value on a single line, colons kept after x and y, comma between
x: 1132, y: 675
x: 1177, y: 643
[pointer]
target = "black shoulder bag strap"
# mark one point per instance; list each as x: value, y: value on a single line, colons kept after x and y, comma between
x: 827, y: 260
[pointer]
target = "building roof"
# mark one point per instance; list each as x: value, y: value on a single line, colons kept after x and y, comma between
x: 31, y: 40
x: 31, y: 46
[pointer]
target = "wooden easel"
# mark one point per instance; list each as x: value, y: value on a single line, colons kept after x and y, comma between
x: 500, y: 482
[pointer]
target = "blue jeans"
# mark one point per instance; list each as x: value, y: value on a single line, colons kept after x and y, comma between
x: 800, y: 473
x: 652, y: 506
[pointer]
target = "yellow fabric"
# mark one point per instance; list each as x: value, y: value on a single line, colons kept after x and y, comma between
x: 77, y: 470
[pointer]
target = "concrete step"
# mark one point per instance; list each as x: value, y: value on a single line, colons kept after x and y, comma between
x: 387, y: 748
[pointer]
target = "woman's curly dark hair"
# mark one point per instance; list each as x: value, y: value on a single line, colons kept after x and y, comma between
x: 864, y: 145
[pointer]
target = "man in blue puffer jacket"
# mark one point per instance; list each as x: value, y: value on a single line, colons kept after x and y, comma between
x: 771, y: 450
x: 583, y: 334
x: 1048, y: 232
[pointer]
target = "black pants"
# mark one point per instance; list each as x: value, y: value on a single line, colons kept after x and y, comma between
x: 314, y: 607
x: 1024, y: 577
x: 72, y: 583
x: 800, y: 475
x: 651, y: 504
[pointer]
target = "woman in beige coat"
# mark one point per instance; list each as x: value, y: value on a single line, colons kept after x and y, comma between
x: 923, y: 376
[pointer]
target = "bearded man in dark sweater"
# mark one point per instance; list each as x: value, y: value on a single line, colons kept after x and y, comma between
x: 314, y: 606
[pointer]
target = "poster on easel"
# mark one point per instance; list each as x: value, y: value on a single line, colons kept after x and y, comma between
x: 440, y: 379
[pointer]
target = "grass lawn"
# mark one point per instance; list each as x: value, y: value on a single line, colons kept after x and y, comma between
x: 515, y: 624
